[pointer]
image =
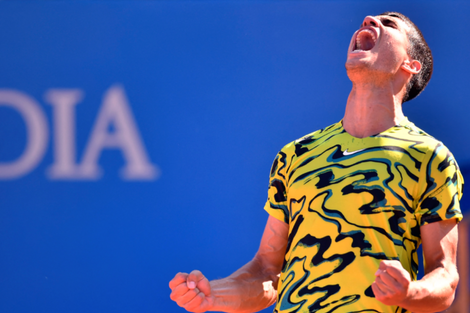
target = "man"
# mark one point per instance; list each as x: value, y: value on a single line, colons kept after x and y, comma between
x: 350, y: 204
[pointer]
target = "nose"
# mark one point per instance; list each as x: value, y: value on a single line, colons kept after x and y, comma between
x: 370, y: 21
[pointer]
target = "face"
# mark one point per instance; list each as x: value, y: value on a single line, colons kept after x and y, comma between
x: 380, y: 45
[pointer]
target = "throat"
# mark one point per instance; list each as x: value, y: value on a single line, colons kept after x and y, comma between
x: 367, y: 118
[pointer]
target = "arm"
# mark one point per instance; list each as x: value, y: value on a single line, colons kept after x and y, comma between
x: 435, y: 291
x: 249, y: 289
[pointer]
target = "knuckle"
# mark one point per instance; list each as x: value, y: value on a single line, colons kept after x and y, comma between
x: 182, y: 275
x: 178, y: 277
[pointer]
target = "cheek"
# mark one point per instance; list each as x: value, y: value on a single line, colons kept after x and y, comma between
x: 395, y: 51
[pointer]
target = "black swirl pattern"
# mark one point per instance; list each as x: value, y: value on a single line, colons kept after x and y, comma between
x: 351, y: 202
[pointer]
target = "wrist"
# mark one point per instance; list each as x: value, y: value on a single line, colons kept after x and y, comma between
x: 223, y: 297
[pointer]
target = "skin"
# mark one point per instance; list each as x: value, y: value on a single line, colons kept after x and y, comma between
x: 435, y: 291
x: 379, y: 77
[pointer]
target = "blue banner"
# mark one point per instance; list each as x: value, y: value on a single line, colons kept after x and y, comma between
x: 137, y: 136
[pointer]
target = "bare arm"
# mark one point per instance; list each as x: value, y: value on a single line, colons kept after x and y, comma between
x: 249, y: 289
x: 436, y: 290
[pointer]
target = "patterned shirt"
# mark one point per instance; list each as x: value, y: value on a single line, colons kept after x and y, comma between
x: 352, y: 202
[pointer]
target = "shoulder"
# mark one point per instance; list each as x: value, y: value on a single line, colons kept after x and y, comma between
x: 439, y: 167
x: 424, y: 142
x: 311, y: 139
x: 414, y: 133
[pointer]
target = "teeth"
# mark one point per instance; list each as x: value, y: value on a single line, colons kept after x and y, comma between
x: 358, y: 38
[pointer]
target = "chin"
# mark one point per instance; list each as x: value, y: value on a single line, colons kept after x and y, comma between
x: 355, y: 66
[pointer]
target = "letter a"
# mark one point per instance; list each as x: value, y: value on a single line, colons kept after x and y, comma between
x: 115, y: 112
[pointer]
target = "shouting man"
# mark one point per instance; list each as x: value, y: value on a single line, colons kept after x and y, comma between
x: 350, y: 204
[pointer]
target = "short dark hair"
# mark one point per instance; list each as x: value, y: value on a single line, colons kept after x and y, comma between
x: 418, y: 50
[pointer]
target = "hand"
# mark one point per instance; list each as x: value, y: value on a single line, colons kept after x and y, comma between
x: 192, y: 291
x: 392, y: 283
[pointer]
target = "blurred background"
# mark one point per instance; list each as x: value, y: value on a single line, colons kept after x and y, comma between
x: 136, y: 137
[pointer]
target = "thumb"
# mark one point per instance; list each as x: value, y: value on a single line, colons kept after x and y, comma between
x: 191, y: 284
x: 197, y: 279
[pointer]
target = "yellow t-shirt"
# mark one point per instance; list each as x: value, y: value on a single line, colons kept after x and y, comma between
x: 352, y: 202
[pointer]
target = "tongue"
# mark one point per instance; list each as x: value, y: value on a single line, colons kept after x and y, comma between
x: 367, y: 42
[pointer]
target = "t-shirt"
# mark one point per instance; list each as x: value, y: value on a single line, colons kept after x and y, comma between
x: 352, y: 202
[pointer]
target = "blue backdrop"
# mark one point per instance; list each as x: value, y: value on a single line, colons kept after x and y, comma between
x: 136, y: 137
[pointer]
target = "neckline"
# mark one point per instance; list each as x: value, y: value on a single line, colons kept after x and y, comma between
x: 403, y: 123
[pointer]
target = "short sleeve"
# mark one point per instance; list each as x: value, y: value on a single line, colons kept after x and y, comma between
x: 444, y: 186
x: 276, y: 204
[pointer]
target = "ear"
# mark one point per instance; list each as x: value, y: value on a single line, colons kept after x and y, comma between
x: 411, y: 66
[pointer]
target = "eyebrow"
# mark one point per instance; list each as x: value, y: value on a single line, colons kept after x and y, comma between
x: 387, y: 19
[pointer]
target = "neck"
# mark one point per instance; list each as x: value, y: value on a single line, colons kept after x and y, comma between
x: 371, y: 109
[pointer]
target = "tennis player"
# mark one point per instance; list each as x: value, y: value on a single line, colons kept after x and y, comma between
x: 350, y: 204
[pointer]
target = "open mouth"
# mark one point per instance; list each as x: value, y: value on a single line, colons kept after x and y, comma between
x: 365, y: 40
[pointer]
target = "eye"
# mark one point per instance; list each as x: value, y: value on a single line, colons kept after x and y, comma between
x: 389, y: 23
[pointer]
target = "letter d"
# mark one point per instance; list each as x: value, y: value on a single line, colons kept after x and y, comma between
x: 36, y: 130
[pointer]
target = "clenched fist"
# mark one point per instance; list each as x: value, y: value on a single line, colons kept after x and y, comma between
x: 392, y: 283
x: 192, y: 292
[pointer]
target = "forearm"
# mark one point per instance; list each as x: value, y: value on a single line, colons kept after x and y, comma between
x: 434, y: 292
x: 250, y: 289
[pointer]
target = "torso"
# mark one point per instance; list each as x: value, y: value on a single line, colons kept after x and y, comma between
x: 350, y: 203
